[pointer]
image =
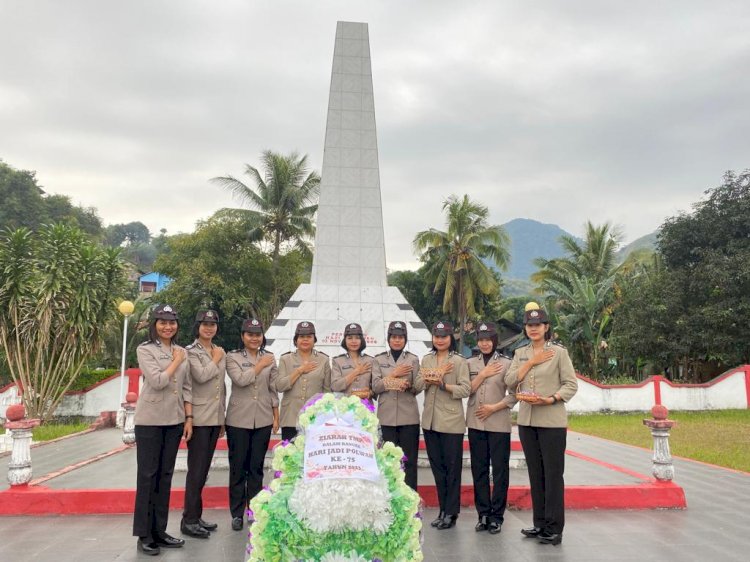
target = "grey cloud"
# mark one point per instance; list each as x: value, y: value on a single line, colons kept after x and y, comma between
x: 560, y: 112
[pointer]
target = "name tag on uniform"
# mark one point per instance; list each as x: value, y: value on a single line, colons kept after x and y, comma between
x: 346, y: 367
x: 473, y: 373
x: 385, y: 365
x: 247, y: 364
x: 522, y: 359
x: 164, y: 356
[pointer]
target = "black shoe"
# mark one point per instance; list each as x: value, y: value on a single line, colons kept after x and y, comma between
x: 237, y: 523
x: 447, y: 522
x: 167, y: 541
x: 550, y: 538
x: 437, y: 520
x: 531, y: 532
x: 149, y: 548
x: 194, y: 530
x: 494, y: 527
x: 482, y: 525
x: 207, y: 526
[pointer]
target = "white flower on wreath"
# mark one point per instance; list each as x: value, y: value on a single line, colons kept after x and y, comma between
x: 340, y: 557
x: 359, y: 505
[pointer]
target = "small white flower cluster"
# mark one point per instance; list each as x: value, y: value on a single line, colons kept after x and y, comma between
x: 339, y: 557
x: 336, y: 505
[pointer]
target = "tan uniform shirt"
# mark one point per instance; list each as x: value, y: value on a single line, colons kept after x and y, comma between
x: 162, y: 398
x: 341, y: 366
x: 444, y: 410
x: 207, y: 381
x: 254, y: 394
x: 304, y: 388
x: 555, y: 376
x: 395, y: 407
x: 491, y: 391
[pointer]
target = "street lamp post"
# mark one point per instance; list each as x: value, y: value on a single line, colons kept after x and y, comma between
x: 126, y: 308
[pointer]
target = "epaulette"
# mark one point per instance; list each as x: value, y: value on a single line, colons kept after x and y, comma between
x: 238, y: 350
x: 382, y: 353
x: 323, y: 353
x: 287, y: 353
x: 340, y: 355
x: 190, y: 346
x: 558, y: 344
x: 145, y: 343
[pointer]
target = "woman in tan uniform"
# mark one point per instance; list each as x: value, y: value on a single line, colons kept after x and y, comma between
x: 446, y: 377
x: 252, y: 414
x: 488, y: 418
x: 207, y: 370
x: 542, y: 375
x: 398, y: 412
x: 163, y: 415
x: 351, y: 372
x: 302, y: 374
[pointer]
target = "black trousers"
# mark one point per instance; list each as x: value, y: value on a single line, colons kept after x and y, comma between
x: 490, y: 447
x: 200, y: 453
x: 156, y: 452
x: 288, y: 433
x: 445, y: 451
x: 544, y: 448
x: 247, y: 450
x: 406, y: 437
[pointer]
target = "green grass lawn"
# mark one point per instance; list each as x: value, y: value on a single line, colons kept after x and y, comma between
x: 51, y: 431
x: 719, y: 437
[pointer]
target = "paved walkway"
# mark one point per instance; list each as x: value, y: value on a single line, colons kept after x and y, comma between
x: 714, y: 525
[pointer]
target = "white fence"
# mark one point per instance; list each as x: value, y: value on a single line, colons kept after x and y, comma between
x: 728, y: 391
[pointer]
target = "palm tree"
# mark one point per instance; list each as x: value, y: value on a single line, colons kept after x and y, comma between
x: 282, y: 201
x: 581, y: 287
x: 454, y: 258
x: 56, y: 296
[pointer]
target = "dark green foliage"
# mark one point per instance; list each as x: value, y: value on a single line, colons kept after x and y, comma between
x: 218, y: 267
x: 89, y: 378
x: 25, y: 204
x: 687, y: 313
x: 418, y: 293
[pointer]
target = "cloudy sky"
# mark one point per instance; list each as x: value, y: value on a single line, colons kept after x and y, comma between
x: 557, y: 111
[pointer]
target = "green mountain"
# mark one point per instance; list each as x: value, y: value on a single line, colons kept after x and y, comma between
x: 530, y: 239
x: 647, y: 242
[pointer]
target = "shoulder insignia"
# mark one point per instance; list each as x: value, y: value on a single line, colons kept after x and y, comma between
x: 382, y: 353
x: 324, y: 354
x: 239, y: 349
x: 558, y: 344
x: 147, y: 342
x: 190, y: 346
x: 287, y: 353
x: 340, y: 355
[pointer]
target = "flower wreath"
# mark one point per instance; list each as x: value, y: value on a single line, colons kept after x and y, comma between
x: 330, y: 521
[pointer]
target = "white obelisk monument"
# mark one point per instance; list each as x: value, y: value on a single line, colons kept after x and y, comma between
x: 348, y: 281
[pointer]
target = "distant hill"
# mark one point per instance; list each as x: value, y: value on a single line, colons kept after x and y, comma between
x: 647, y: 242
x: 530, y: 239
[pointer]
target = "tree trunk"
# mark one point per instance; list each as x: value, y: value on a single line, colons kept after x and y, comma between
x: 461, y: 315
x: 275, y: 305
